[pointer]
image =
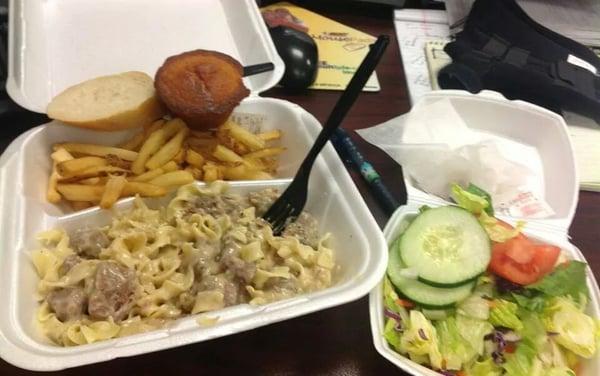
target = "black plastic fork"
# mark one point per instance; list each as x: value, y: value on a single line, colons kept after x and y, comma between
x: 290, y: 204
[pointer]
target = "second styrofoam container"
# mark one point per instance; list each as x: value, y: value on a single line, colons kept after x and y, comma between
x: 550, y: 157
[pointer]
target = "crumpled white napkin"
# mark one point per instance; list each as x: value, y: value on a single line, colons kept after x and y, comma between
x: 436, y: 148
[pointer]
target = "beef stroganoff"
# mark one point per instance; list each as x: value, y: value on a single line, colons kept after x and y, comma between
x: 208, y: 249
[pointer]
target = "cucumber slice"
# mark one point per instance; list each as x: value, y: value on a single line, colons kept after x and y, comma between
x: 446, y: 246
x: 419, y: 292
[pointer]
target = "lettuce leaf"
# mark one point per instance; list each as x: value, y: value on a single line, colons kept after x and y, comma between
x: 474, y: 306
x: 473, y: 199
x: 566, y: 279
x: 420, y: 340
x: 496, y: 231
x: 390, y: 298
x: 530, y: 301
x: 559, y: 371
x: 575, y: 330
x: 523, y: 362
x: 485, y: 367
x: 533, y: 329
x: 455, y: 350
x: 473, y: 331
x: 391, y: 335
x: 504, y: 314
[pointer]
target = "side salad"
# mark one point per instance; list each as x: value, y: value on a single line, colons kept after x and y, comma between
x: 469, y: 295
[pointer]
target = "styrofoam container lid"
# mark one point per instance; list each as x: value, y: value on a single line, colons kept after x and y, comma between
x: 56, y: 44
x: 550, y: 155
x: 541, y: 133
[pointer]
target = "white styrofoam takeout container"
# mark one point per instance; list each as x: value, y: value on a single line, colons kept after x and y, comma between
x: 50, y: 49
x: 549, y: 154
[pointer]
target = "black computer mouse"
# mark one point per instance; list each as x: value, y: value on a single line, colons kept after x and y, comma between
x: 299, y: 53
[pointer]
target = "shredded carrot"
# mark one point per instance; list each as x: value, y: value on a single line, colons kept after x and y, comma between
x: 461, y: 373
x: 405, y: 303
x: 491, y: 303
x: 510, y: 348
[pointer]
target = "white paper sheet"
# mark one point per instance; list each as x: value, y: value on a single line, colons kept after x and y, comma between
x: 415, y: 27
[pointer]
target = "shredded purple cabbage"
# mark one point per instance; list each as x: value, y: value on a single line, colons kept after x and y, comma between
x: 392, y: 315
x: 497, y: 337
x: 422, y: 334
x: 505, y: 286
x: 498, y: 357
x: 446, y: 373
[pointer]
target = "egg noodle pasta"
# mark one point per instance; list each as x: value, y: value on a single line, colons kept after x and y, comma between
x: 208, y: 249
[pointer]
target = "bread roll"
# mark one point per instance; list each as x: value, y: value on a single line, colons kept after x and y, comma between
x: 108, y: 103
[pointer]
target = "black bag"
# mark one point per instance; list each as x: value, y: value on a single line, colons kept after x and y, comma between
x: 501, y: 48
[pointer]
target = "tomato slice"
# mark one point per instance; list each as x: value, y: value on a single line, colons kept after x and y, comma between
x: 545, y: 257
x: 519, y: 249
x: 504, y: 266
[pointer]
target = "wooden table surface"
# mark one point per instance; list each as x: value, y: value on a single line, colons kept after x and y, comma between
x: 336, y: 341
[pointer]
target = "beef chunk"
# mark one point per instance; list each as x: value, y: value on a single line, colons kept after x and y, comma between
x: 89, y: 242
x: 305, y: 228
x: 231, y: 205
x: 112, y: 293
x: 262, y: 200
x: 67, y: 303
x: 68, y: 263
x: 219, y: 282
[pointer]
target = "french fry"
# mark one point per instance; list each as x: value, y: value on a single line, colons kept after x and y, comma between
x: 71, y: 167
x: 154, y: 142
x: 149, y: 128
x: 80, y: 192
x: 196, y: 172
x: 172, y: 179
x: 80, y: 205
x: 112, y: 191
x: 239, y: 172
x: 144, y: 189
x: 254, y: 163
x: 60, y: 155
x: 170, y: 166
x: 168, y: 151
x: 272, y: 135
x: 114, y: 160
x: 97, y: 150
x: 201, y: 145
x: 52, y: 194
x: 244, y: 136
x: 134, y: 143
x: 91, y: 172
x: 148, y: 175
x: 210, y: 172
x: 264, y: 153
x: 194, y: 158
x: 180, y: 156
x: 226, y: 155
x: 92, y: 181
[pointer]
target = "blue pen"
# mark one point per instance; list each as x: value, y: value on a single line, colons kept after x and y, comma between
x: 349, y: 153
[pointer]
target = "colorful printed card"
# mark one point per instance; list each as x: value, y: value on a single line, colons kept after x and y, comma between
x: 341, y: 48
